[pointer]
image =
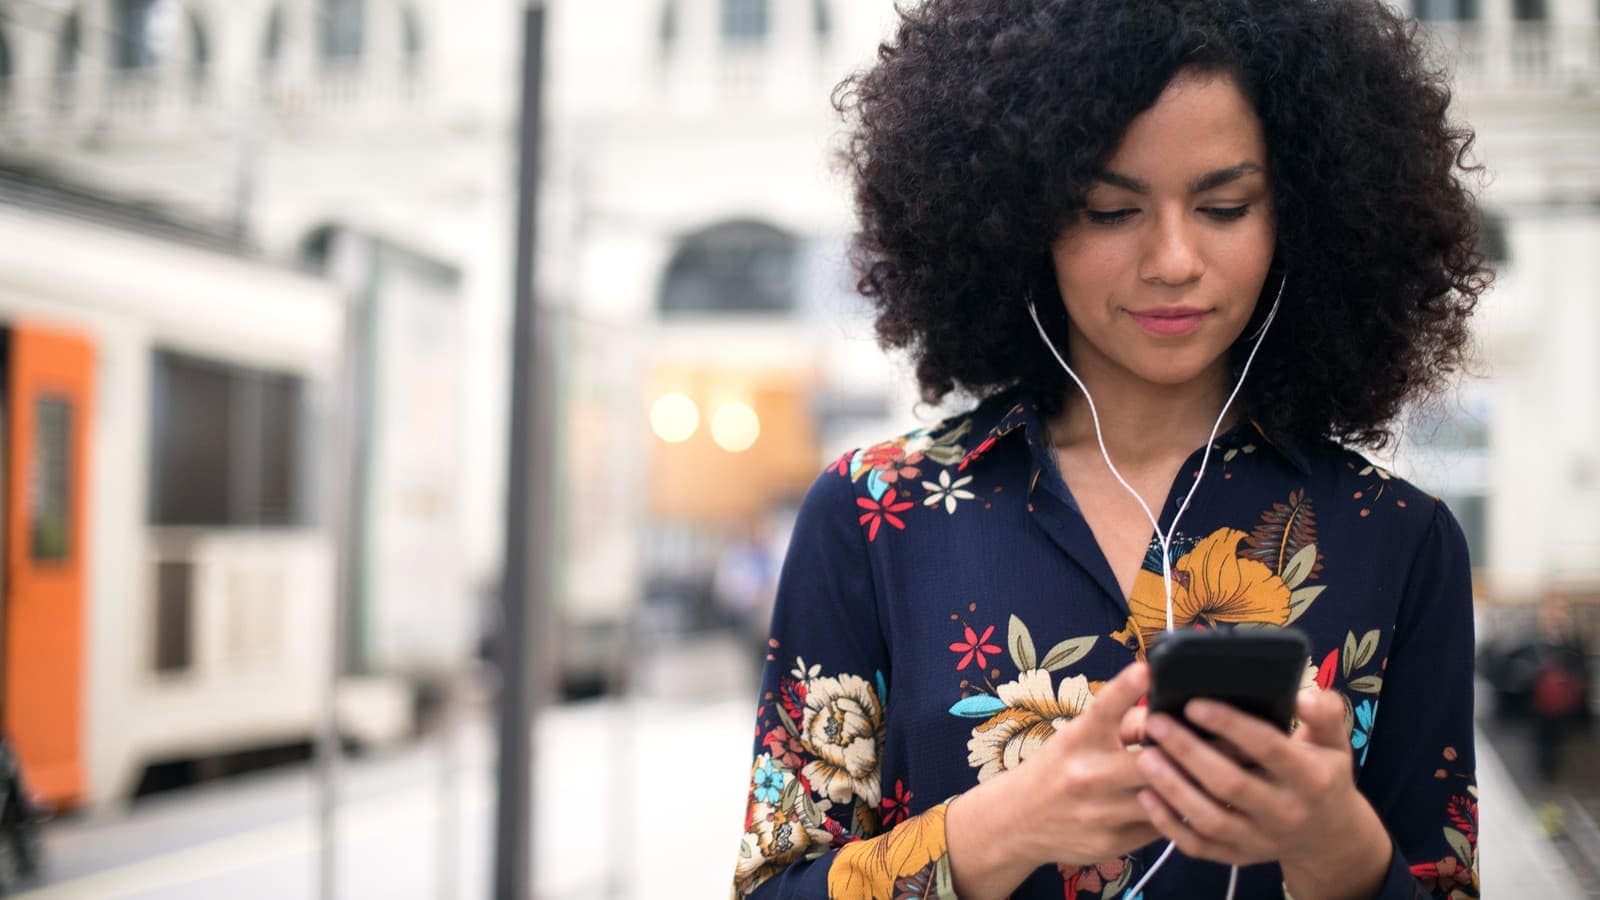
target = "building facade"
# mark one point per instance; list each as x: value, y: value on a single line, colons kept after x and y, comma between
x: 694, y: 230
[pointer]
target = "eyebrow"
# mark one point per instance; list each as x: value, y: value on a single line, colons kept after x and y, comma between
x: 1204, y: 183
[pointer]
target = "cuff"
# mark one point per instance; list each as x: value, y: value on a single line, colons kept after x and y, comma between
x: 1399, y: 883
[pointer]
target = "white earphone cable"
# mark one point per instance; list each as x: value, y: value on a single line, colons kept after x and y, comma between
x: 1165, y: 540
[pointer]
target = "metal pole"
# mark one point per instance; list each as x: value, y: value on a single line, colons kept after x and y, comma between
x: 524, y: 678
x: 350, y: 264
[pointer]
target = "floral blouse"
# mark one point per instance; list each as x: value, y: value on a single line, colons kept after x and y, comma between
x: 944, y: 607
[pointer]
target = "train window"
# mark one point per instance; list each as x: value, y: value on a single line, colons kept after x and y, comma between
x: 174, y: 650
x: 226, y: 445
x: 50, y: 488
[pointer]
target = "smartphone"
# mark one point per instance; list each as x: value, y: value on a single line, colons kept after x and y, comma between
x: 1257, y: 671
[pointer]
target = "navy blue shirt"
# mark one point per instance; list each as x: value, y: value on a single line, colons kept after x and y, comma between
x: 944, y: 606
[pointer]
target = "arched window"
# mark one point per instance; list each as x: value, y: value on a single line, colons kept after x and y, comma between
x: 411, y: 38
x: 1447, y: 10
x: 272, y: 42
x: 69, y: 44
x: 736, y: 267
x: 1492, y: 239
x: 5, y: 70
x: 343, y: 24
x: 1529, y: 10
x: 667, y: 35
x: 822, y: 20
x: 745, y: 21
x: 200, y: 49
x: 145, y: 32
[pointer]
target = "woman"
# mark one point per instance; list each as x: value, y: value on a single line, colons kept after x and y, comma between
x: 1185, y: 251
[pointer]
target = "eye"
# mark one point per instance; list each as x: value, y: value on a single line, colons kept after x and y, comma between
x: 1226, y: 213
x: 1109, y: 216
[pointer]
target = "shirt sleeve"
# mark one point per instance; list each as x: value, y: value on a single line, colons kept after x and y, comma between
x: 1420, y: 772
x: 815, y: 815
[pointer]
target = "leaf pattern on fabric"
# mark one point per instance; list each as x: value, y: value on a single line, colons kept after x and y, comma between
x: 1212, y: 585
x: 1285, y: 530
x: 869, y: 869
x: 1005, y: 684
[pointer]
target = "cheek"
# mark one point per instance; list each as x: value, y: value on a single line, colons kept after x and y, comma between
x: 1086, y: 270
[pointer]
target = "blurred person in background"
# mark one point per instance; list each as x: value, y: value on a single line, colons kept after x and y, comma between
x: 744, y: 584
x: 1560, y: 683
x: 1184, y: 198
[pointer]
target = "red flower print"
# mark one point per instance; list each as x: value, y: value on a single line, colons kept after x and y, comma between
x: 792, y: 694
x: 1443, y: 876
x: 977, y: 451
x: 842, y: 466
x: 895, y: 808
x: 785, y: 747
x: 891, y: 462
x: 1330, y: 665
x: 975, y: 646
x: 1463, y: 812
x: 1092, y: 879
x: 877, y: 513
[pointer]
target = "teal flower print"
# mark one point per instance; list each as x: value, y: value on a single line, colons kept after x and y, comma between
x: 768, y: 782
x: 1361, y: 737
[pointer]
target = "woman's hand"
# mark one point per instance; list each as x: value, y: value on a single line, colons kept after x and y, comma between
x: 1073, y: 802
x: 1301, y: 808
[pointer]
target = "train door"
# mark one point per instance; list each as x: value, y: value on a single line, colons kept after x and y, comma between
x: 48, y: 386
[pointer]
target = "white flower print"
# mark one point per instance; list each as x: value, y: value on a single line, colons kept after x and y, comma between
x: 801, y: 673
x: 947, y: 492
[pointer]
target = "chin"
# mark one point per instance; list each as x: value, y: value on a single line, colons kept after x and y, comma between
x: 1169, y: 372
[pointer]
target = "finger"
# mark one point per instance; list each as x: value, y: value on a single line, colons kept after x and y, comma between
x: 1255, y: 739
x: 1322, y: 719
x: 1133, y: 837
x: 1119, y: 695
x: 1191, y: 843
x: 1183, y: 756
x: 1121, y: 772
x: 1200, y: 812
x: 1125, y: 812
x: 1131, y: 730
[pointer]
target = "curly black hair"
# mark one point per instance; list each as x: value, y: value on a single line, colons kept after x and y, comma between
x: 976, y: 134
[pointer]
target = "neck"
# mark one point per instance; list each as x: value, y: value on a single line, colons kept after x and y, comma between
x: 1142, y: 423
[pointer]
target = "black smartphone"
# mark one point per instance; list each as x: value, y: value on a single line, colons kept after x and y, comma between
x: 1257, y: 671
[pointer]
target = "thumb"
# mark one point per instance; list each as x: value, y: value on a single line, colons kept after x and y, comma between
x: 1117, y: 696
x: 1322, y: 718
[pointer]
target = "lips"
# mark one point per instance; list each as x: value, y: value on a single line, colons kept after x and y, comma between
x: 1169, y: 321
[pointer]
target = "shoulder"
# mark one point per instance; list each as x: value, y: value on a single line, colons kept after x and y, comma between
x: 1411, y: 518
x: 880, y: 484
x: 902, y: 458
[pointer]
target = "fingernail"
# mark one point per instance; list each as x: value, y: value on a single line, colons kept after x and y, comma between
x: 1202, y: 710
x: 1147, y: 801
x: 1158, y: 727
x: 1148, y: 764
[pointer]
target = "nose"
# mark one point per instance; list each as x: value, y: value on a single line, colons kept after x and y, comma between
x: 1172, y: 256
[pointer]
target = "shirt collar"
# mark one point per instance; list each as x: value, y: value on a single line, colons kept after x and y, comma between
x: 1018, y: 410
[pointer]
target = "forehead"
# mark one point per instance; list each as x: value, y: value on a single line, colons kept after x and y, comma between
x: 1200, y: 123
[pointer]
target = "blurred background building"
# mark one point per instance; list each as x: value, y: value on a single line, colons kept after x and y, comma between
x: 208, y: 209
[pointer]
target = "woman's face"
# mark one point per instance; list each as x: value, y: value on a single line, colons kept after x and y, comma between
x: 1161, y: 270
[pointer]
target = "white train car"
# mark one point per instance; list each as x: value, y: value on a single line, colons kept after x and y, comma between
x: 168, y: 574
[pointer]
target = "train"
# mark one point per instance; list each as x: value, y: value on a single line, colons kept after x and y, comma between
x: 168, y: 403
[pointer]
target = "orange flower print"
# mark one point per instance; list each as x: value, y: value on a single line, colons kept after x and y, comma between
x: 1212, y: 585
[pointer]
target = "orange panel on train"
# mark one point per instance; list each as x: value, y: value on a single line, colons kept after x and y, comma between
x: 48, y: 418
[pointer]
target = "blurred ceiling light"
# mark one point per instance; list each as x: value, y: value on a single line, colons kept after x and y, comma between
x: 735, y: 427
x: 674, y: 417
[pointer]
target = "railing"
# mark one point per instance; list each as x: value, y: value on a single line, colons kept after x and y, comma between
x: 1520, y: 57
x: 98, y: 104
